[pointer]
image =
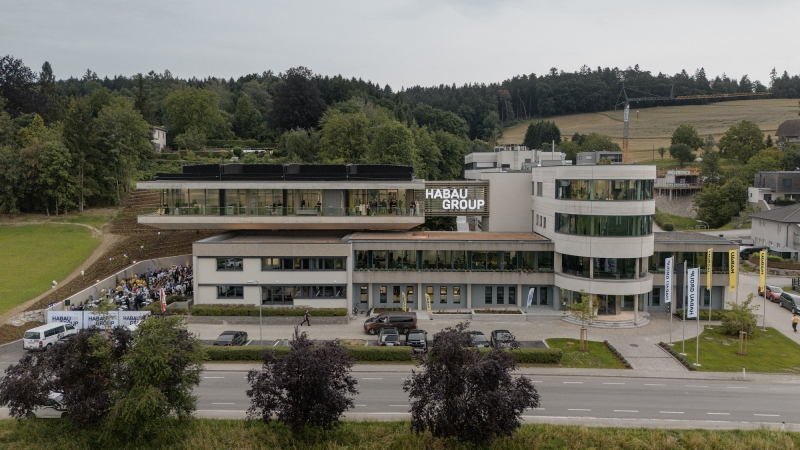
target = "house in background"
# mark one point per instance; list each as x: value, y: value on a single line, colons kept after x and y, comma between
x: 778, y: 229
x: 159, y: 139
x: 789, y: 130
x: 771, y: 186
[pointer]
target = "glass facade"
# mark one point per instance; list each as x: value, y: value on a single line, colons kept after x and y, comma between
x: 615, y: 268
x: 276, y: 263
x: 719, y: 264
x: 456, y: 260
x: 610, y: 226
x: 636, y: 190
x: 575, y: 265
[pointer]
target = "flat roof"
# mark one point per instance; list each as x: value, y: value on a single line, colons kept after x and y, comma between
x: 430, y: 236
x: 687, y: 237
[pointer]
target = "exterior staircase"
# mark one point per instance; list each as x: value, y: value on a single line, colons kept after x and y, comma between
x: 624, y: 320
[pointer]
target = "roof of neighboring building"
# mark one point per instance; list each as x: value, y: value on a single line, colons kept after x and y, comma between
x: 788, y: 214
x: 447, y: 236
x: 789, y: 128
x: 687, y: 237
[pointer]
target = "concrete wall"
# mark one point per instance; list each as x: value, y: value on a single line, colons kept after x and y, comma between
x: 509, y: 202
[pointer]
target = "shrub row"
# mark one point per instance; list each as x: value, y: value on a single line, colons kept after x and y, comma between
x: 155, y: 308
x: 677, y: 356
x: 773, y: 264
x: 534, y: 355
x: 252, y: 311
x: 703, y: 313
x: 618, y: 355
x: 359, y: 353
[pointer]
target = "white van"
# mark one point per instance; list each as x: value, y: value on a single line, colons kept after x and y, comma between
x: 42, y: 337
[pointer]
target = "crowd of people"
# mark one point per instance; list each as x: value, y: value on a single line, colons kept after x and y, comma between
x: 135, y: 293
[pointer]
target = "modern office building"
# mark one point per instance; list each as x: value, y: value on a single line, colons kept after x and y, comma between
x: 345, y: 236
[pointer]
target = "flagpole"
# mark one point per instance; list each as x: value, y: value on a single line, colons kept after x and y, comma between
x: 697, y: 340
x: 671, y: 303
x: 683, y: 304
x: 710, y: 270
x: 766, y: 267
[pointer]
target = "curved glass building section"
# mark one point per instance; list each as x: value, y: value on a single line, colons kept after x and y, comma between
x: 635, y: 190
x: 610, y: 226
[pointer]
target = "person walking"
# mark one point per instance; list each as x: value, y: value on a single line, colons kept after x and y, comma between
x: 794, y: 322
x: 306, y: 316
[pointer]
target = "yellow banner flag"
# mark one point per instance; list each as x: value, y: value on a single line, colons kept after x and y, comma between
x: 762, y: 270
x: 404, y: 302
x: 709, y: 259
x: 733, y: 260
x: 428, y: 301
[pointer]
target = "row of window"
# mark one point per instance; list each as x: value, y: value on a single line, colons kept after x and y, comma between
x: 453, y: 260
x: 284, y: 294
x: 604, y: 189
x: 719, y: 261
x: 237, y: 264
x: 618, y: 226
x: 604, y: 268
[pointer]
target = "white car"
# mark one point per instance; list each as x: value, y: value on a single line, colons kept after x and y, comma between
x: 52, y: 409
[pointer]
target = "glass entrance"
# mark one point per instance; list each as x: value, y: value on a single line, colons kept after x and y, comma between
x: 608, y: 305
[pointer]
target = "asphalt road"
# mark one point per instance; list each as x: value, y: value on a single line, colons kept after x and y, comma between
x: 698, y: 403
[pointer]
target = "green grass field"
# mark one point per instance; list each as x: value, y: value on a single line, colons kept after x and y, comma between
x: 203, y: 434
x: 768, y: 352
x: 598, y: 356
x: 31, y: 256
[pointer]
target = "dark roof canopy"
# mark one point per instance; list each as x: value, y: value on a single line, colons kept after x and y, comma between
x: 790, y: 128
x: 291, y: 172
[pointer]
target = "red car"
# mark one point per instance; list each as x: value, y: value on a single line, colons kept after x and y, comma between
x: 773, y: 293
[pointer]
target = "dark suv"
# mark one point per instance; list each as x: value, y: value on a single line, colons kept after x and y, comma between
x: 417, y: 340
x: 231, y: 338
x: 790, y: 302
x: 403, y: 321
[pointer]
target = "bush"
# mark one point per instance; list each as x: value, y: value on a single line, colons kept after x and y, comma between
x: 358, y: 353
x: 175, y: 298
x: 677, y: 356
x: 252, y: 311
x: 774, y: 258
x: 740, y: 317
x: 668, y: 226
x: 155, y: 308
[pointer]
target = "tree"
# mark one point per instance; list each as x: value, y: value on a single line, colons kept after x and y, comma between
x: 300, y: 145
x: 710, y: 167
x: 599, y: 142
x: 344, y: 137
x: 18, y: 86
x: 393, y: 143
x: 661, y: 151
x: 195, y: 107
x: 716, y: 204
x: 429, y: 154
x: 297, y: 102
x: 78, y: 131
x: 682, y: 153
x: 570, y: 150
x: 742, y: 141
x: 247, y: 120
x: 453, y: 150
x: 310, y: 386
x: 464, y: 393
x: 541, y: 133
x: 191, y: 139
x: 159, y: 372
x: 437, y: 119
x: 686, y: 134
x: 142, y: 101
x: 585, y: 310
x: 740, y: 317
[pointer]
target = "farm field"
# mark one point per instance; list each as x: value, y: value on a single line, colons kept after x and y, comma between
x: 31, y: 256
x: 654, y: 126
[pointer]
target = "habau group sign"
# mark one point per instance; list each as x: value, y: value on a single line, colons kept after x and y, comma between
x: 456, y: 198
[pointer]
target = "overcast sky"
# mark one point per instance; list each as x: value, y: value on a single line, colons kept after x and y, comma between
x: 403, y: 42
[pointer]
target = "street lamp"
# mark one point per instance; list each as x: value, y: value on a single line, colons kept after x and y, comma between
x: 260, y: 320
x: 141, y: 249
x: 704, y: 222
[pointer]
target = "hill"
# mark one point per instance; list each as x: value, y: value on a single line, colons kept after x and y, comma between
x: 652, y: 127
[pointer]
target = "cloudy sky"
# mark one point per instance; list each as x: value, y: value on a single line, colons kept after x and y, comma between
x: 402, y: 42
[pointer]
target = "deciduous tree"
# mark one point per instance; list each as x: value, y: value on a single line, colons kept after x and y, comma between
x: 682, y: 153
x: 686, y: 134
x: 297, y: 102
x: 541, y: 134
x: 742, y: 141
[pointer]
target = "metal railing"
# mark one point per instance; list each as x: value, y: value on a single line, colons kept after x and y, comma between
x: 212, y: 210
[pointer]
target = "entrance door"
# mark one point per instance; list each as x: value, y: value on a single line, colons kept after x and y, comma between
x: 608, y: 305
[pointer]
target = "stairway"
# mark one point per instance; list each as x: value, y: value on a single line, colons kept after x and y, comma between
x: 625, y: 321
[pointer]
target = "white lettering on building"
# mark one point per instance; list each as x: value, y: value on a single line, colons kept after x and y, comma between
x: 455, y: 199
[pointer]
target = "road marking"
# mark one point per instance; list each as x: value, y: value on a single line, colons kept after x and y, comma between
x: 367, y: 378
x: 738, y: 387
x: 780, y: 389
x: 671, y: 412
x: 767, y: 415
x: 537, y: 381
x: 361, y: 405
x: 213, y: 377
x: 613, y: 383
x: 626, y: 410
x: 223, y: 403
x: 573, y: 382
x: 719, y: 414
x: 569, y: 409
x: 651, y: 384
x: 399, y: 405
x: 695, y: 385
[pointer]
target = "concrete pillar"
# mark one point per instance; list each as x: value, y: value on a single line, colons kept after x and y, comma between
x: 636, y: 308
x: 369, y: 295
x: 420, y: 298
x: 469, y: 296
x: 520, y: 301
x: 636, y: 274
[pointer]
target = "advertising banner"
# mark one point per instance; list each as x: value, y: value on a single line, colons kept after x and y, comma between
x: 709, y: 268
x: 88, y: 319
x: 530, y: 296
x: 668, y: 279
x: 762, y: 270
x: 733, y: 261
x: 692, y: 287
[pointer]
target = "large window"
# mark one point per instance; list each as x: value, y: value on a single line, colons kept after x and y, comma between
x: 612, y: 226
x: 615, y: 268
x: 442, y: 294
x: 487, y: 295
x: 272, y: 263
x: 229, y: 264
x: 575, y: 265
x: 656, y: 262
x: 443, y: 260
x: 230, y: 291
x: 456, y: 294
x: 604, y: 189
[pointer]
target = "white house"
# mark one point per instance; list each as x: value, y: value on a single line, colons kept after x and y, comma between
x: 159, y: 139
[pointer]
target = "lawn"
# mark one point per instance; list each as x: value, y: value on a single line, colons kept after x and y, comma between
x: 31, y: 256
x: 681, y: 223
x: 767, y: 352
x: 598, y: 356
x: 202, y: 434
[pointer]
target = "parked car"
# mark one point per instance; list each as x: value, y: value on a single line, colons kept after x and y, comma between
x: 389, y: 340
x: 502, y: 339
x: 231, y: 338
x: 385, y: 331
x: 790, y: 302
x: 418, y: 341
x: 44, y: 336
x: 403, y: 321
x: 773, y: 293
x: 53, y: 408
x: 478, y: 339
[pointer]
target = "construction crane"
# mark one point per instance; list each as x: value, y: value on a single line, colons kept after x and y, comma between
x: 626, y: 114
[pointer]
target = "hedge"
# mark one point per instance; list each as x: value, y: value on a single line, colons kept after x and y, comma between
x: 252, y: 311
x: 677, y: 356
x: 359, y: 353
x: 155, y: 308
x: 534, y: 355
x: 619, y: 356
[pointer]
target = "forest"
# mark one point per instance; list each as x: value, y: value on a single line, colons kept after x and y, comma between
x: 66, y: 144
